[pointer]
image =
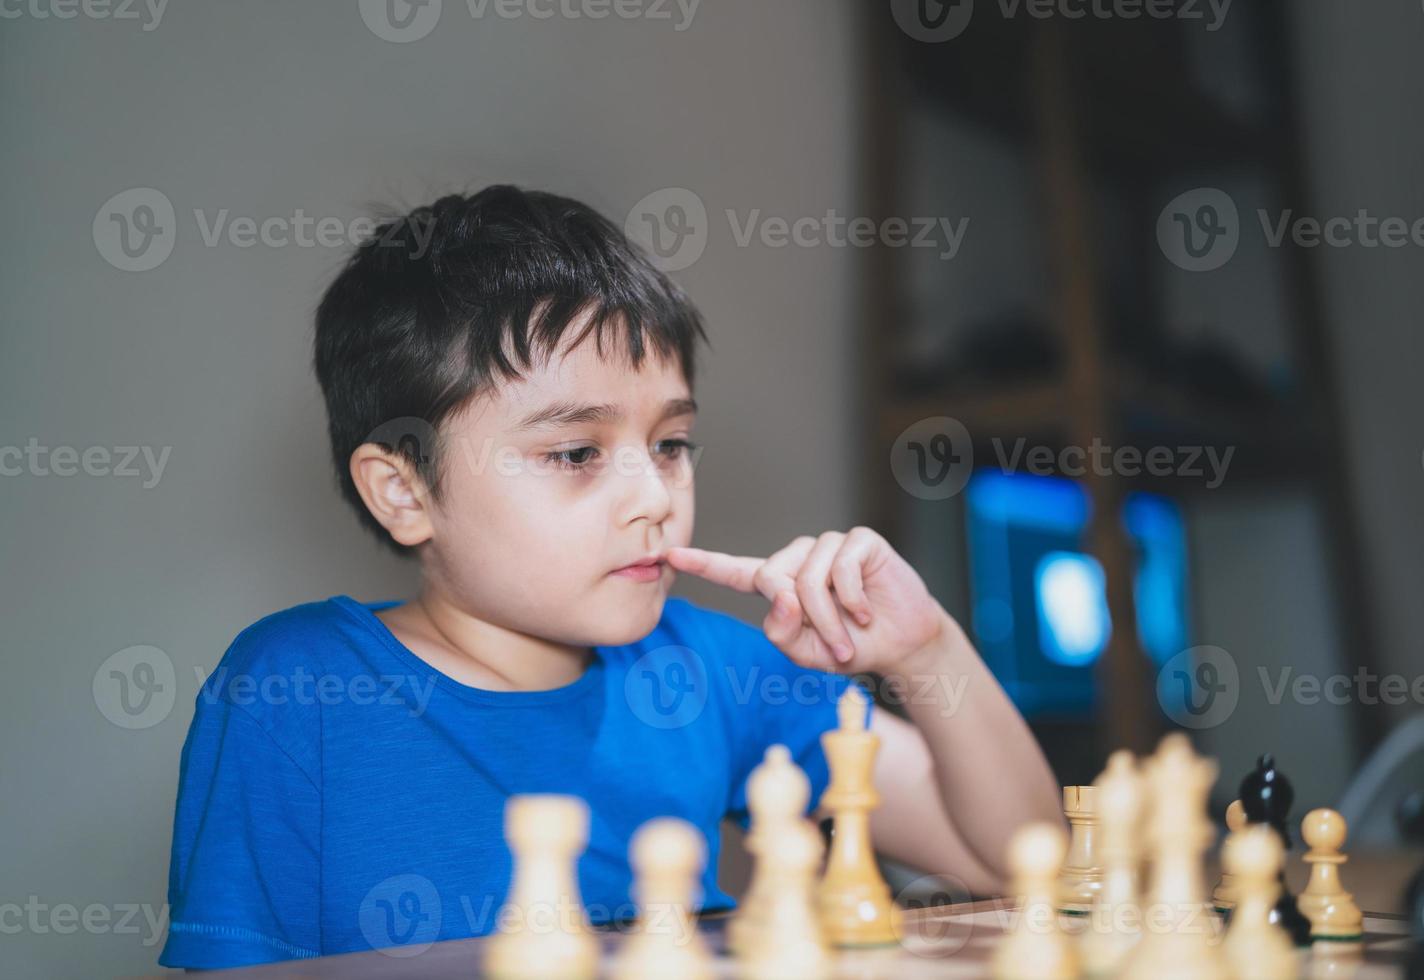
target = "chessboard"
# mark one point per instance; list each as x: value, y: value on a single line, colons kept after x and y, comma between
x: 951, y: 942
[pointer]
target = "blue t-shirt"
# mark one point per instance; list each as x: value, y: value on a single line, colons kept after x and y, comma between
x: 336, y: 793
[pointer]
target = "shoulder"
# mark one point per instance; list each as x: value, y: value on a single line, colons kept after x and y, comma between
x: 271, y: 669
x: 299, y: 637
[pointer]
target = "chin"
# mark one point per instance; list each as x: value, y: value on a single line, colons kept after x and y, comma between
x: 629, y: 620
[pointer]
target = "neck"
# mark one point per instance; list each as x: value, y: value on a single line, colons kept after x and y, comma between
x: 485, y: 654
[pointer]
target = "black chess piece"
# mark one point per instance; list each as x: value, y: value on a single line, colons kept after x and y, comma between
x: 1414, y: 907
x: 1266, y: 796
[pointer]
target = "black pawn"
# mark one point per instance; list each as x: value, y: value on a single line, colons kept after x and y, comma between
x: 1414, y: 906
x: 1266, y: 796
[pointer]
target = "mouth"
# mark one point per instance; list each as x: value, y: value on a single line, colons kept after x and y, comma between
x: 646, y: 570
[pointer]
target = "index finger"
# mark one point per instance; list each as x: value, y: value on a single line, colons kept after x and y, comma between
x: 733, y: 571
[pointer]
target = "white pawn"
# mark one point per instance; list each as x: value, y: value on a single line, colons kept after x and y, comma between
x: 1223, y: 897
x: 1115, y: 924
x: 1333, y: 914
x: 1037, y: 949
x: 789, y: 945
x: 778, y: 793
x: 1255, y: 947
x: 668, y: 856
x: 543, y: 934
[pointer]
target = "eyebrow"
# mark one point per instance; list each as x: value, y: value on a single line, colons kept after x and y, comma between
x: 572, y: 413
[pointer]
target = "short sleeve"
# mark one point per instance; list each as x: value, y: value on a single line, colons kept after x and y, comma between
x: 244, y: 876
x: 790, y: 705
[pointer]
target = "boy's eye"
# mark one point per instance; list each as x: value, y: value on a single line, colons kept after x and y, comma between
x: 571, y: 459
x: 673, y: 448
x: 580, y: 457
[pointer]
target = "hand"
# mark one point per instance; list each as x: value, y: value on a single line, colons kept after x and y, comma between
x: 840, y: 602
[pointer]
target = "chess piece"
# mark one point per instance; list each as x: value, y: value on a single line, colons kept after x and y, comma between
x: 1256, y: 947
x: 1333, y: 914
x: 1266, y: 795
x: 1115, y: 923
x: 778, y: 794
x: 668, y: 857
x: 1176, y: 941
x: 1414, y: 909
x: 789, y: 944
x: 1081, y: 879
x: 1036, y: 949
x: 856, y: 907
x: 543, y: 933
x: 1223, y: 897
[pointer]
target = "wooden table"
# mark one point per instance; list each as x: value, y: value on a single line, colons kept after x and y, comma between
x: 947, y: 941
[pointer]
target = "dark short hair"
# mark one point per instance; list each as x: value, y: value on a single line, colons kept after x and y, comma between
x: 439, y: 305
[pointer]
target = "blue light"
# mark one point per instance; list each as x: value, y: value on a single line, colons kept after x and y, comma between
x: 1074, y: 624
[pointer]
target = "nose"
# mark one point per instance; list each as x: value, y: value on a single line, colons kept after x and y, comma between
x: 645, y: 494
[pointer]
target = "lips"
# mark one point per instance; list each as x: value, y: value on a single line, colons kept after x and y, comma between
x: 644, y: 563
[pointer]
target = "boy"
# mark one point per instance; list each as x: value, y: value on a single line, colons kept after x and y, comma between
x: 509, y: 390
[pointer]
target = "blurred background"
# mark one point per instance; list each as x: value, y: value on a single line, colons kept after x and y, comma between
x: 1105, y: 313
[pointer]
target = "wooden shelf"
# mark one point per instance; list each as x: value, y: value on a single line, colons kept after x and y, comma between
x: 1140, y: 115
x: 1092, y: 107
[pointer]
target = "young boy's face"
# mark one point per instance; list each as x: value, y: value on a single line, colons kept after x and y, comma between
x: 556, y: 481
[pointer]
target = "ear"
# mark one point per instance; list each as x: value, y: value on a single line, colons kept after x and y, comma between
x: 393, y: 492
